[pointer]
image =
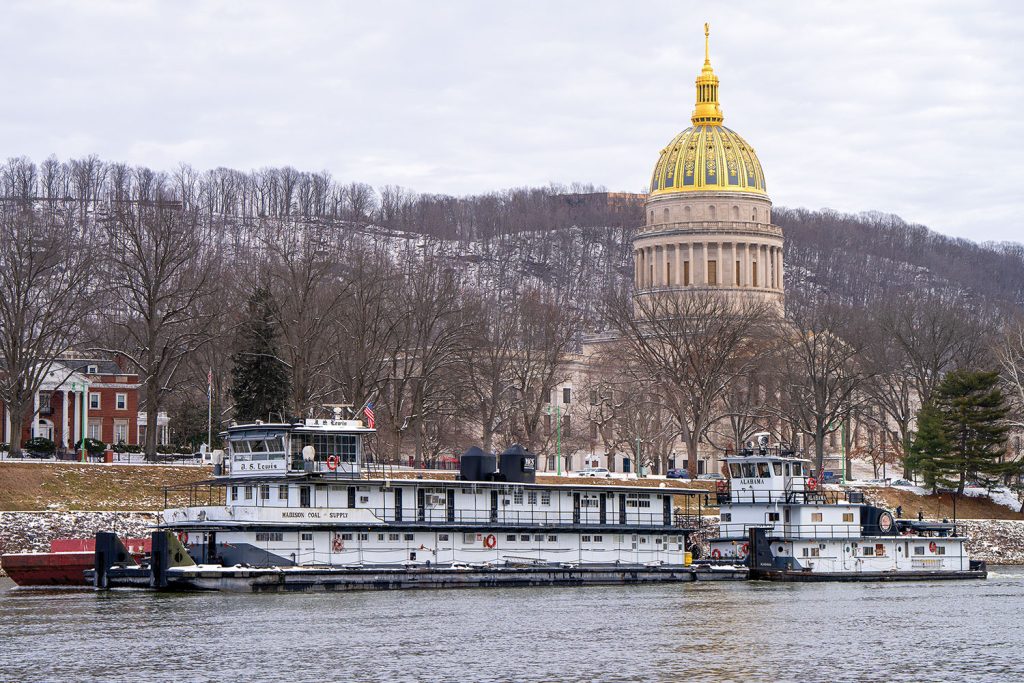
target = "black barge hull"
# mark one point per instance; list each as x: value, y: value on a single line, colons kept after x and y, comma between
x: 299, y: 580
x: 816, y: 577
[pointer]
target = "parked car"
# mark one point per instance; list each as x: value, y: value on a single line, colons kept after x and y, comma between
x: 712, y: 476
x: 677, y: 473
x: 594, y: 472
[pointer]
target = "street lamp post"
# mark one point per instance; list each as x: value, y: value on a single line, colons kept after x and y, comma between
x: 558, y: 437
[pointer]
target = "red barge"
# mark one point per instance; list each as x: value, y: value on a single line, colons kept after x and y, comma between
x: 65, y: 564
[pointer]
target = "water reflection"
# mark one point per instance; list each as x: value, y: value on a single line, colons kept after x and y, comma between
x: 968, y: 631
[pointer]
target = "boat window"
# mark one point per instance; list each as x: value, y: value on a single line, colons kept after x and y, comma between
x: 364, y: 537
x: 735, y: 469
x: 511, y: 538
x: 442, y: 537
x: 762, y: 470
x: 726, y: 516
x: 847, y: 516
x: 554, y: 539
x: 869, y: 550
x: 240, y: 446
x: 815, y: 516
x: 773, y: 516
x: 940, y: 550
x: 545, y: 497
x: 777, y: 466
x: 748, y: 470
x: 538, y: 537
x: 919, y: 550
x: 798, y: 470
x: 524, y: 537
x: 309, y: 536
x: 343, y: 446
x: 531, y: 497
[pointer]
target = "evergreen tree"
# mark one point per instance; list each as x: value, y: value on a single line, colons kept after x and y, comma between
x: 259, y: 376
x: 929, y: 446
x: 962, y: 432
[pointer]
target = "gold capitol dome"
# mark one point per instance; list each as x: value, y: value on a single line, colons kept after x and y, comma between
x: 707, y: 156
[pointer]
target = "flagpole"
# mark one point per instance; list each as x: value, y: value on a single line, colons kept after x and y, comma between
x: 209, y: 411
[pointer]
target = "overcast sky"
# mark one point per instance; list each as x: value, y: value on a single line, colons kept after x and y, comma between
x: 913, y: 108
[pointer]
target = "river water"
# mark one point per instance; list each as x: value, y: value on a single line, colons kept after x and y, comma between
x: 963, y: 631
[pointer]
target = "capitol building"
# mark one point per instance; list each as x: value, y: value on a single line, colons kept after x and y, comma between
x: 707, y: 229
x: 708, y: 216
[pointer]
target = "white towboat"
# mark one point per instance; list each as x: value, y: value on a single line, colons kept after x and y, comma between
x: 297, y: 504
x: 786, y: 526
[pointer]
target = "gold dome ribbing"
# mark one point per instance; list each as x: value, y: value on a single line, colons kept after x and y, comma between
x: 707, y: 156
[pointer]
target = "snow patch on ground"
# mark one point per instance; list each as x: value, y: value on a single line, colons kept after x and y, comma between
x: 913, y: 489
x: 1000, y: 496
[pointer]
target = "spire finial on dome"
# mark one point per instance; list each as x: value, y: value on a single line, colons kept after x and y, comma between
x: 707, y: 112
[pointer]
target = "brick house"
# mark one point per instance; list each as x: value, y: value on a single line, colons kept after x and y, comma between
x: 98, y: 394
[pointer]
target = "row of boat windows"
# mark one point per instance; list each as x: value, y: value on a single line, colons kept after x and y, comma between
x: 877, y: 550
x: 774, y: 517
x: 278, y: 536
x: 749, y: 470
x: 633, y: 500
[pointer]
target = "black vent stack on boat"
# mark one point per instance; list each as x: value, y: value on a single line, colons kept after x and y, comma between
x: 477, y: 465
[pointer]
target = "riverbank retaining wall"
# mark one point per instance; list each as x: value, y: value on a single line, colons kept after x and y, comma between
x: 28, y: 532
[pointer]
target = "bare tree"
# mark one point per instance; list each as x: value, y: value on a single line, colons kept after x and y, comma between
x: 692, y: 346
x: 487, y: 364
x: 546, y: 335
x: 308, y: 285
x: 820, y: 370
x: 161, y: 260
x: 45, y: 268
x: 1010, y: 354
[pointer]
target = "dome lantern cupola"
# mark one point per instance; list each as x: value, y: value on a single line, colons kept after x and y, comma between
x: 707, y: 156
x: 707, y: 111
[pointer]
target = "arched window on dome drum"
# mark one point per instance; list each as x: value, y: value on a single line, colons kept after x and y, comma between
x: 666, y: 215
x: 711, y: 211
x: 686, y: 212
x: 652, y: 217
x: 735, y: 213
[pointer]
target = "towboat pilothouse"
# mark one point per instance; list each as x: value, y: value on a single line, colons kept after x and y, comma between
x: 786, y: 526
x: 298, y: 505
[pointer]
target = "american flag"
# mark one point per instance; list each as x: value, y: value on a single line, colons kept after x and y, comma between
x: 370, y: 417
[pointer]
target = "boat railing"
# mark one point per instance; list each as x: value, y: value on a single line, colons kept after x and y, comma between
x: 726, y: 495
x: 782, y: 529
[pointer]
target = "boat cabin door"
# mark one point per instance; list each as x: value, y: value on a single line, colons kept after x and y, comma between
x: 494, y: 506
x: 622, y: 508
x: 576, y: 508
x: 604, y: 509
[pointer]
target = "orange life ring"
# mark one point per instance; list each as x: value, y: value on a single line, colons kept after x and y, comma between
x: 716, y: 554
x: 183, y: 537
x: 744, y: 549
x: 812, y: 483
x: 491, y: 541
x: 338, y: 544
x: 933, y: 546
x: 332, y: 462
